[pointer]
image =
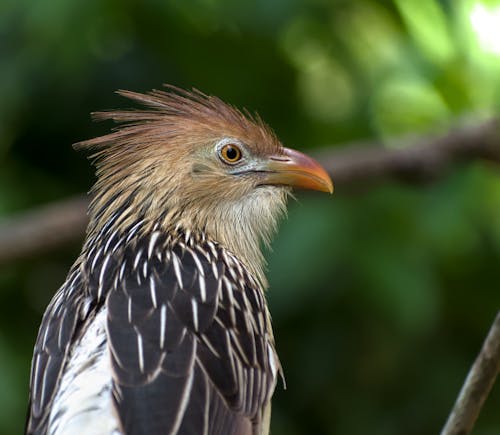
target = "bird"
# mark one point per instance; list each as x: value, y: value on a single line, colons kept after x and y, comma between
x: 162, y: 325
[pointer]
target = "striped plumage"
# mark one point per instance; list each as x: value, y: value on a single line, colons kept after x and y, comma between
x: 162, y: 326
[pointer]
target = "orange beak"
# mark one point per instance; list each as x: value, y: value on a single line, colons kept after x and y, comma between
x: 296, y: 170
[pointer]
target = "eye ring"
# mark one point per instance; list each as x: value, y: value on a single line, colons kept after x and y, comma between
x: 230, y: 153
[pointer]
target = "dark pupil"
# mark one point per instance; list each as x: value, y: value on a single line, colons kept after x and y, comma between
x: 231, y: 153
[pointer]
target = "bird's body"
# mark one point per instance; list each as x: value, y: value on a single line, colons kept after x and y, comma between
x: 162, y: 325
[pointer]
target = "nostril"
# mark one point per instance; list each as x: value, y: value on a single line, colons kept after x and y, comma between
x: 279, y: 159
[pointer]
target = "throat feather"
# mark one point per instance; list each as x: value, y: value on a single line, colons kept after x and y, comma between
x: 244, y: 227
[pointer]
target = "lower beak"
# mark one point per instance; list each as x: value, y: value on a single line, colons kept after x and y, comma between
x: 297, y: 170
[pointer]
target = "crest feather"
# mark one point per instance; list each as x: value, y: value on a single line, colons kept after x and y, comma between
x: 176, y: 111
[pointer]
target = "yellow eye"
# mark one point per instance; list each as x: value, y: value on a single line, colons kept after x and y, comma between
x: 230, y: 153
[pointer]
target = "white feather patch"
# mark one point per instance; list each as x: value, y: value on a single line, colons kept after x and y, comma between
x: 83, y: 401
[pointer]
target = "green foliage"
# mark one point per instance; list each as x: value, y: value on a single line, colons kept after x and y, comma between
x: 380, y: 297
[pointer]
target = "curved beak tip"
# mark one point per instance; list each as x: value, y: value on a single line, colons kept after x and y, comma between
x: 330, y: 187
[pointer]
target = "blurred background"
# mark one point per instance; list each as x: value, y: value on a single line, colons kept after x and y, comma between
x: 381, y: 294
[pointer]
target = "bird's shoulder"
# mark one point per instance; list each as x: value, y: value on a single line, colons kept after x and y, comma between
x: 189, y: 334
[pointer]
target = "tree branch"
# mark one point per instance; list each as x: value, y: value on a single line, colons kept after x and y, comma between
x: 62, y: 223
x: 416, y: 160
x: 43, y: 230
x: 477, y: 386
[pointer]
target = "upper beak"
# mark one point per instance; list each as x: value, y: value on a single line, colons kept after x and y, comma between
x: 295, y: 169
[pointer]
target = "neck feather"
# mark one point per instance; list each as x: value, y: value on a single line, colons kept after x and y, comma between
x: 242, y: 226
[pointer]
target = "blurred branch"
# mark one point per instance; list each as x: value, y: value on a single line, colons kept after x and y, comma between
x: 418, y: 159
x: 44, y: 229
x: 477, y: 386
x: 55, y: 225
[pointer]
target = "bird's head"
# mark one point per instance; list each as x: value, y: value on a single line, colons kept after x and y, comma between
x: 190, y: 161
